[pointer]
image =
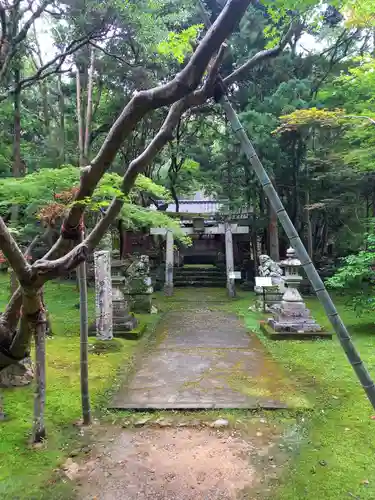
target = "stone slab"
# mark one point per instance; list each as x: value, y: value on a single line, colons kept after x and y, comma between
x: 204, y: 359
x: 287, y: 335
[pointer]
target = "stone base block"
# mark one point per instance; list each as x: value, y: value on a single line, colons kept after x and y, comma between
x: 134, y: 334
x: 293, y: 335
x: 18, y: 374
x: 168, y: 290
x: 120, y: 326
x: 141, y: 303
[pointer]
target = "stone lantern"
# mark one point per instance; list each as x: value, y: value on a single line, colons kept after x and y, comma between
x: 123, y: 320
x: 291, y: 318
x: 291, y: 266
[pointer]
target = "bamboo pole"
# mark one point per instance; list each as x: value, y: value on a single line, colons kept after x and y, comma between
x: 342, y: 333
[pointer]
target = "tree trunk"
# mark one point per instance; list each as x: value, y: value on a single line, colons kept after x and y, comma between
x: 308, y: 226
x: 255, y: 250
x: 17, y: 167
x: 89, y: 108
x: 273, y: 233
x: 175, y: 198
x: 62, y: 120
x: 2, y: 414
x: 80, y: 121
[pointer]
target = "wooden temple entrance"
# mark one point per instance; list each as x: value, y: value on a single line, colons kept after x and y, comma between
x: 213, y: 231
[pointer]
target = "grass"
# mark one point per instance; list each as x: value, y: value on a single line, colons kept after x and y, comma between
x: 28, y: 473
x: 335, y: 459
x: 334, y: 455
x: 335, y: 441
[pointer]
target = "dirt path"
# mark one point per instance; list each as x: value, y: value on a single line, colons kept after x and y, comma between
x: 190, y: 462
x: 201, y: 358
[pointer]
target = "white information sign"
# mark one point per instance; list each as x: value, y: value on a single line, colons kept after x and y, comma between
x: 262, y: 281
x: 235, y: 275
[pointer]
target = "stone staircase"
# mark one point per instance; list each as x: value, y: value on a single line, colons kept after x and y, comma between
x: 196, y: 276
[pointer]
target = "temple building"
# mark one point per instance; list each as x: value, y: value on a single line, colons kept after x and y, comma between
x: 220, y: 244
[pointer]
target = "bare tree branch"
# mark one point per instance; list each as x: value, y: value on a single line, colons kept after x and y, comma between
x: 114, y: 56
x: 42, y: 74
x: 15, y: 41
x: 240, y: 73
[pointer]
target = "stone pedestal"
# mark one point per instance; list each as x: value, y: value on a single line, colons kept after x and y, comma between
x: 292, y: 315
x: 291, y: 318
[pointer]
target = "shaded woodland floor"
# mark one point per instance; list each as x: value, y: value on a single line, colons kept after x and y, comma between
x: 325, y: 451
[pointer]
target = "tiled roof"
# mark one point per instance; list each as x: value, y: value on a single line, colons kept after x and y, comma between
x: 201, y: 204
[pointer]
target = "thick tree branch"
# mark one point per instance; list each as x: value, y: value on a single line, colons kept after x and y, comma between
x: 23, y: 32
x: 51, y: 269
x: 242, y: 71
x: 147, y: 100
x: 3, y: 23
x: 13, y: 254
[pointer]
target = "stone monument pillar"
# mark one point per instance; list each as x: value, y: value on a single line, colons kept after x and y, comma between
x: 169, y: 263
x: 271, y: 295
x: 103, y: 294
x: 229, y: 259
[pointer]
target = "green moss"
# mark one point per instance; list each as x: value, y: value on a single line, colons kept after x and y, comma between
x: 339, y: 432
x: 27, y: 473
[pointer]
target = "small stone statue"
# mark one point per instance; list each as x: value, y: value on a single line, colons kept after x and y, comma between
x: 138, y: 285
x: 270, y: 269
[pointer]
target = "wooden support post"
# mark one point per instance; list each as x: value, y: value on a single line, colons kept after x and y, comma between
x: 229, y: 260
x: 169, y: 258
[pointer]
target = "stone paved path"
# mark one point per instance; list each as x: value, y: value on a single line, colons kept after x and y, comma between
x: 202, y: 359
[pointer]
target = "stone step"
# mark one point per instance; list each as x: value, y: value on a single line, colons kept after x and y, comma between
x: 198, y: 272
x: 189, y: 269
x: 195, y: 283
x: 199, y: 278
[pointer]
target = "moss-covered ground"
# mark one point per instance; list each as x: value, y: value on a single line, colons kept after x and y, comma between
x: 333, y: 443
x: 28, y: 473
x: 332, y: 456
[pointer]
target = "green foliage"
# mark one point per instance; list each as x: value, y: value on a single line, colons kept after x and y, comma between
x: 357, y: 274
x: 136, y: 217
x: 309, y: 118
x: 179, y: 45
x: 43, y: 189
